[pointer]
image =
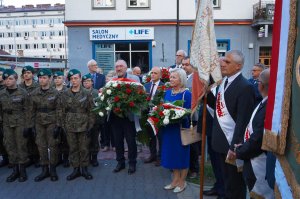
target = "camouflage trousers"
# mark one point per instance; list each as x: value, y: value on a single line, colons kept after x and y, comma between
x: 45, y: 141
x: 79, y: 149
x: 15, y: 144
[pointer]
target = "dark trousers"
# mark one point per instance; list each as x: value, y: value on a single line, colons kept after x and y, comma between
x: 235, y: 187
x: 194, y: 157
x: 107, y: 138
x: 124, y: 128
x: 153, y: 143
x: 94, y: 144
x: 215, y: 163
x: 3, y: 151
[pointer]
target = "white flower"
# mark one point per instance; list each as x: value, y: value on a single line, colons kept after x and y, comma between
x: 102, y: 98
x: 108, y: 92
x: 166, y: 112
x: 96, y: 103
x: 108, y: 108
x: 166, y: 121
x: 101, y: 114
x: 99, y: 94
x: 115, y: 84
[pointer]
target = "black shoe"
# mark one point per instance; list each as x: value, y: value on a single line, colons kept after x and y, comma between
x: 53, y: 174
x: 150, y: 159
x: 45, y: 174
x: 14, y: 175
x: 211, y: 192
x: 75, y: 174
x: 66, y: 162
x: 119, y: 167
x: 132, y: 169
x: 94, y: 160
x: 4, y: 161
x: 23, y: 174
x: 86, y: 174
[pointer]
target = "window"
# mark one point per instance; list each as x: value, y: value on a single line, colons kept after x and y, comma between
x: 19, y: 46
x: 1, y: 23
x: 52, y: 33
x: 61, y: 33
x: 44, y: 45
x: 60, y: 20
x: 61, y: 45
x: 35, y: 46
x: 25, y: 21
x: 10, y: 47
x: 216, y: 3
x: 103, y: 3
x: 18, y: 23
x: 265, y: 53
x: 138, y: 3
x: 33, y: 21
x: 61, y: 56
x: 26, y: 34
x: 42, y: 21
x: 52, y: 45
x: 43, y: 33
x: 51, y: 21
x: 27, y: 46
x: 2, y: 47
x: 1, y: 34
x: 18, y: 34
x: 9, y: 34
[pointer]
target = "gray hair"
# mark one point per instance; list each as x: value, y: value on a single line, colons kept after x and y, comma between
x: 182, y: 75
x: 183, y: 52
x: 121, y: 61
x: 261, y: 66
x: 237, y: 55
x: 265, y: 77
x: 91, y: 62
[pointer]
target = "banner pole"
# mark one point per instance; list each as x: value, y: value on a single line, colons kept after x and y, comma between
x: 203, y: 146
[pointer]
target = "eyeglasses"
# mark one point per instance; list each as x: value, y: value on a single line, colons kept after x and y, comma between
x: 179, y: 55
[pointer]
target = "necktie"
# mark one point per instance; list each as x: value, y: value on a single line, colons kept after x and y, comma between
x: 151, y: 91
x: 226, y: 82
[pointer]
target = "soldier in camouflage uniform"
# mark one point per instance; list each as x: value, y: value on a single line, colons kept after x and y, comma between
x: 46, y: 115
x: 3, y: 152
x: 30, y: 85
x: 87, y: 83
x: 58, y: 77
x: 79, y: 120
x: 14, y: 113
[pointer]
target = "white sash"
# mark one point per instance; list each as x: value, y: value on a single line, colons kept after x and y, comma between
x: 225, y: 120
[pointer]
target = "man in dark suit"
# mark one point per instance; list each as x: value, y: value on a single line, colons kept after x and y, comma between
x: 256, y: 70
x: 233, y: 107
x: 254, y: 169
x: 151, y: 89
x: 98, y: 79
x: 124, y: 127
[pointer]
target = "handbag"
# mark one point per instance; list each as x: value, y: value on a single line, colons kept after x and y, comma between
x: 189, y: 135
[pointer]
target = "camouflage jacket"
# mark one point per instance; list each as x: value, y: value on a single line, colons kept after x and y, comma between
x: 15, y: 108
x: 46, y: 107
x: 30, y: 88
x: 77, y: 110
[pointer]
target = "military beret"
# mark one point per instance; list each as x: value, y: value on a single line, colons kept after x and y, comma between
x: 73, y: 72
x: 87, y: 76
x: 2, y: 69
x: 44, y: 72
x: 8, y: 72
x: 28, y: 68
x: 58, y: 73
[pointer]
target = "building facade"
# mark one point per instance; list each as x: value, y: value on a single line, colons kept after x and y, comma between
x: 34, y: 31
x: 147, y: 33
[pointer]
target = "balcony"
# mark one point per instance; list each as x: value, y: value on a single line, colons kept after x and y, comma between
x: 263, y: 13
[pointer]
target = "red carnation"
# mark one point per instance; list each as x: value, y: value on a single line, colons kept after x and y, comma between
x: 128, y: 91
x: 119, y: 86
x: 117, y: 99
x: 127, y: 85
x: 117, y: 110
x: 131, y: 104
x: 148, y: 98
x: 155, y: 120
x: 161, y: 114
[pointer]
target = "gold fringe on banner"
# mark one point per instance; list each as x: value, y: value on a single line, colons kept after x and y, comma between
x: 290, y: 177
x: 277, y: 193
x: 280, y: 140
x: 256, y: 196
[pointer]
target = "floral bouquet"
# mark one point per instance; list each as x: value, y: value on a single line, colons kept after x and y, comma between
x: 165, y: 75
x: 167, y: 113
x: 146, y: 78
x: 121, y: 96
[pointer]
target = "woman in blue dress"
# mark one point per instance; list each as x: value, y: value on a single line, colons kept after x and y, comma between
x: 174, y: 155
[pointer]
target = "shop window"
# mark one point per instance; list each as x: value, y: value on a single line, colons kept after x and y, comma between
x: 138, y: 3
x: 99, y: 4
x: 265, y: 54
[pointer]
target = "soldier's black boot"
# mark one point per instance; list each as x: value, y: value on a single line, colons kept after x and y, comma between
x: 66, y: 162
x: 14, y: 175
x: 86, y: 174
x: 45, y: 174
x: 23, y: 174
x: 94, y: 160
x: 4, y: 161
x: 75, y: 174
x: 36, y: 161
x: 53, y: 174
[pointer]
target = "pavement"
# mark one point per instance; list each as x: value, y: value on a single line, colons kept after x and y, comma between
x: 146, y: 183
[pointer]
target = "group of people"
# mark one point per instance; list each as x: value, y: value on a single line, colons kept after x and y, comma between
x: 48, y: 115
